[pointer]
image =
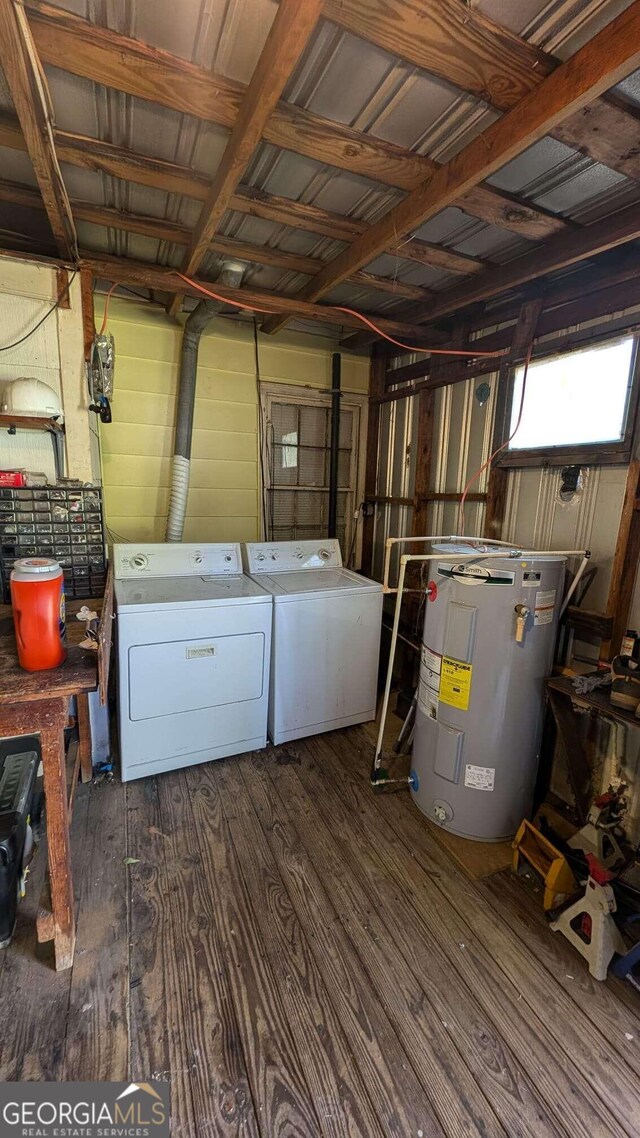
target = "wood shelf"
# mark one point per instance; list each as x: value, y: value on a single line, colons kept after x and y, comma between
x: 31, y: 423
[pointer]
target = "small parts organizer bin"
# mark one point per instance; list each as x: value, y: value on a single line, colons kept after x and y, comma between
x: 59, y: 522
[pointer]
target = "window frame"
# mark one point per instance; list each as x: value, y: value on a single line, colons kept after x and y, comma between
x: 315, y: 397
x: 617, y: 452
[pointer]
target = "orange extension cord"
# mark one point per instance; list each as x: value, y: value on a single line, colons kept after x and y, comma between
x: 350, y: 312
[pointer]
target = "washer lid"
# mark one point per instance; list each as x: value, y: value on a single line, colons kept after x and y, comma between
x: 177, y: 592
x: 301, y: 582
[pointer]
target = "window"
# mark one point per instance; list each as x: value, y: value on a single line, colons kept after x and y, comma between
x: 297, y: 428
x: 578, y: 404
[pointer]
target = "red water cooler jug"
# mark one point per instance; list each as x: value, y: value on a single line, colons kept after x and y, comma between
x: 37, y: 597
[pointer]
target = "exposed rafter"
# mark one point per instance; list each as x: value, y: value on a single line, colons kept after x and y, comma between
x: 463, y: 46
x: 105, y: 157
x: 30, y: 95
x: 72, y: 44
x: 123, y: 270
x: 609, y: 270
x: 616, y: 230
x: 606, y: 59
x: 176, y: 234
x: 293, y: 25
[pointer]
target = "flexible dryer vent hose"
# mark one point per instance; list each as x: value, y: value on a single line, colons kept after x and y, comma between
x: 195, y: 325
x: 180, y: 469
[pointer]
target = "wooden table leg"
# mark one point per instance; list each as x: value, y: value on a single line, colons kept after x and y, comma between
x: 84, y: 737
x: 52, y: 717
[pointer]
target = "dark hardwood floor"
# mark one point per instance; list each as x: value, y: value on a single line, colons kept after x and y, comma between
x: 299, y: 957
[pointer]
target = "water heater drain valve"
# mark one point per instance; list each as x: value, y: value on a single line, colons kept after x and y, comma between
x: 522, y: 612
x: 442, y: 812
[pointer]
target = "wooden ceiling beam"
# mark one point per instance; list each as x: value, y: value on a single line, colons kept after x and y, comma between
x: 450, y: 40
x: 116, y: 161
x: 569, y: 249
x: 602, y: 62
x: 608, y: 271
x: 27, y: 84
x: 77, y: 46
x: 292, y: 27
x: 123, y: 270
x: 176, y: 234
x: 600, y: 304
x: 464, y: 47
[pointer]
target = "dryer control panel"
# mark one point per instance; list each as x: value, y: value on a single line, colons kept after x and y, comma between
x: 285, y: 556
x: 176, y: 559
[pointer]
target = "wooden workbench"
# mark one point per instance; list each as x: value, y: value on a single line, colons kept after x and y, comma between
x: 37, y: 703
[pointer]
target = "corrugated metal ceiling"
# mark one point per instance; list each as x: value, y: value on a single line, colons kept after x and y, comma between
x: 342, y: 78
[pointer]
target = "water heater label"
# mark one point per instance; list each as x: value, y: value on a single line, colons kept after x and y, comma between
x: 479, y: 778
x: 530, y: 579
x: 468, y: 574
x: 431, y: 661
x: 545, y: 606
x: 427, y: 700
x: 455, y: 683
x: 199, y: 653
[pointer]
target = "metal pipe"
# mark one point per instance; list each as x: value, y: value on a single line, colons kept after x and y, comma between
x: 195, y: 325
x: 334, y: 451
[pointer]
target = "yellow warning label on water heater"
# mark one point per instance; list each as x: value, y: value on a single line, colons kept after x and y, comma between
x: 455, y: 683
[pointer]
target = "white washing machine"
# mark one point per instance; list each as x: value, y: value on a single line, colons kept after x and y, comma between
x: 326, y: 637
x: 194, y: 643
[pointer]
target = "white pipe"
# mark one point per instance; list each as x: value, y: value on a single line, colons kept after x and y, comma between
x: 514, y: 555
x: 391, y: 541
x: 392, y: 652
x: 180, y: 468
x: 574, y: 584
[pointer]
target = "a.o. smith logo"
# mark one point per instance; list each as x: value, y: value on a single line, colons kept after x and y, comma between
x: 84, y: 1110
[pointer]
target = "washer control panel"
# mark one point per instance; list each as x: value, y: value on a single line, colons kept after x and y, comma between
x: 176, y: 559
x: 285, y: 556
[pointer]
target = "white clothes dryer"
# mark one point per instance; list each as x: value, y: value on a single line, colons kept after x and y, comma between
x: 194, y: 643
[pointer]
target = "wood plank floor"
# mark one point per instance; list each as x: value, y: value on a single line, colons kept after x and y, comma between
x: 299, y: 957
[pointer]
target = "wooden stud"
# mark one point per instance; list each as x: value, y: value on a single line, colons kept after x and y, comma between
x: 498, y: 480
x: 610, y: 56
x: 30, y: 95
x: 376, y: 387
x: 88, y: 319
x: 62, y: 288
x: 625, y: 562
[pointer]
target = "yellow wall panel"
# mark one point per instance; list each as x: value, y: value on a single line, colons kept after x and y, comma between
x: 137, y: 446
x: 143, y: 408
x: 157, y: 377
